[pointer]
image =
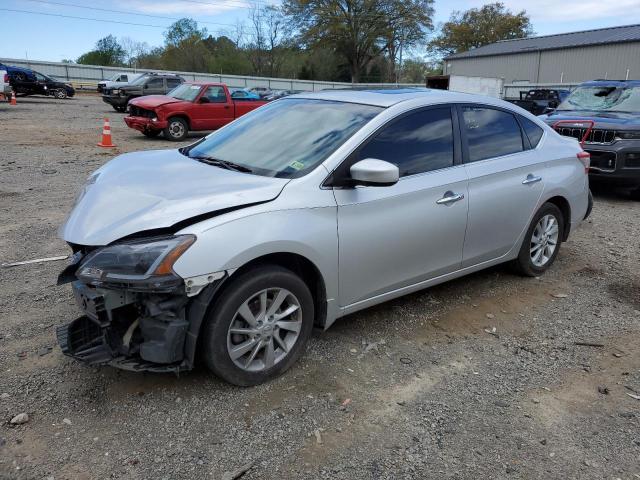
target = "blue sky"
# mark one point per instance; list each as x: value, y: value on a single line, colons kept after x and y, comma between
x: 51, y: 37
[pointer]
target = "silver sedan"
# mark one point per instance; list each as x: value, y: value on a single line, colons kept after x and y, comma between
x: 303, y: 211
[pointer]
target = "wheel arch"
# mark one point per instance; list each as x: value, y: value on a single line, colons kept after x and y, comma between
x: 301, y: 266
x: 563, y: 204
x: 181, y: 115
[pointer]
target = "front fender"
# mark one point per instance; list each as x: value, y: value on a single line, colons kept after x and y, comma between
x: 308, y: 232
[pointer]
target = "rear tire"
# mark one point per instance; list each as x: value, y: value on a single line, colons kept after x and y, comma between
x: 542, y: 242
x: 264, y: 295
x: 177, y: 129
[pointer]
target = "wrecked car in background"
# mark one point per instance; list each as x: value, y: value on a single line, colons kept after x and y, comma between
x: 192, y: 106
x: 608, y: 113
x: 307, y: 209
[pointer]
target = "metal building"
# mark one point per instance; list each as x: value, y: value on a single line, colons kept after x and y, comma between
x: 611, y: 53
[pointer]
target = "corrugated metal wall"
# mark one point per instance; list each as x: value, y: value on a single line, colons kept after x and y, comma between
x: 572, y: 65
x: 93, y: 74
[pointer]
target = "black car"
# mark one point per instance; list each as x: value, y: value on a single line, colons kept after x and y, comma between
x: 614, y: 140
x: 540, y: 100
x: 29, y: 82
x: 150, y: 84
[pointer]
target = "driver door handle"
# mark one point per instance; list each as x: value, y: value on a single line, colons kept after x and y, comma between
x: 450, y: 197
x: 531, y: 179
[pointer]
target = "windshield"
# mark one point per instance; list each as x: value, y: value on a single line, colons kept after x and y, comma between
x: 139, y: 80
x: 606, y: 99
x: 287, y: 138
x: 185, y: 92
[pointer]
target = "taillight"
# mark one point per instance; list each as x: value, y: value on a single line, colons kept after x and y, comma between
x: 585, y: 158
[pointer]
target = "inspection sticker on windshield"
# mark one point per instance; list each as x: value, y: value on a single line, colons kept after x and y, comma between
x: 297, y: 165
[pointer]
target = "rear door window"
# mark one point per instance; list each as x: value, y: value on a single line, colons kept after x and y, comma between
x: 416, y: 143
x: 173, y: 82
x: 155, y: 83
x: 490, y: 133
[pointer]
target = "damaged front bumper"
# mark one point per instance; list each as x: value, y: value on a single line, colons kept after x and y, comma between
x: 136, y: 330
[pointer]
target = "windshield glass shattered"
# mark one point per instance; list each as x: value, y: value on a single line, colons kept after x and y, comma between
x: 605, y: 98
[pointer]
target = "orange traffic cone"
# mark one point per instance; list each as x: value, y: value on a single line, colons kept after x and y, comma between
x: 106, y: 135
x: 13, y: 98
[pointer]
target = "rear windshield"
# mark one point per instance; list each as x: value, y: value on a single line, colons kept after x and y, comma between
x: 287, y: 138
x: 605, y: 98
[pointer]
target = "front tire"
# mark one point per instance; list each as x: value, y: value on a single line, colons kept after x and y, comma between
x: 120, y: 109
x: 177, y: 129
x: 60, y: 93
x: 259, y: 326
x: 542, y: 242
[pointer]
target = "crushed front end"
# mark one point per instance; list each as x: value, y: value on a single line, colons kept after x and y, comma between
x: 137, y: 313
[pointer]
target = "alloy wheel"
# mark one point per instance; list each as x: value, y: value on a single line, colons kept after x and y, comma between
x: 544, y: 240
x: 264, y: 329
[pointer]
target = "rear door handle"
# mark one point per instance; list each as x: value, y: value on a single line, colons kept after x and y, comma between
x: 450, y: 197
x: 531, y: 179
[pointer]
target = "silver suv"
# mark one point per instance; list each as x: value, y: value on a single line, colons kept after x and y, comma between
x: 305, y: 210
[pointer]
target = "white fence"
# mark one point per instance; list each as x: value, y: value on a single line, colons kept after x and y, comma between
x: 72, y: 72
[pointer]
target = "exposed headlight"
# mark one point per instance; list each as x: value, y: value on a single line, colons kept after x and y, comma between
x: 134, y: 260
x: 629, y: 135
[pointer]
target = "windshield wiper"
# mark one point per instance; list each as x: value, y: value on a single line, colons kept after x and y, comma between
x: 222, y: 163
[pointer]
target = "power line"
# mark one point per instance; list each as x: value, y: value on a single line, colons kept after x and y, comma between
x: 96, y: 19
x: 243, y: 4
x: 49, y: 2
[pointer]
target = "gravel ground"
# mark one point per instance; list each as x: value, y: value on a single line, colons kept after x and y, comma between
x: 477, y: 378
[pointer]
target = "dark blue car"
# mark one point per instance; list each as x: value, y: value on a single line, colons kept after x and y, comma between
x: 614, y: 141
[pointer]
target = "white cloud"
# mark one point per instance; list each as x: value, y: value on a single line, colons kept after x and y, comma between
x: 175, y: 7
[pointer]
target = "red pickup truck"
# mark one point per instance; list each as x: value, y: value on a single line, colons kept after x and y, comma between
x: 190, y: 106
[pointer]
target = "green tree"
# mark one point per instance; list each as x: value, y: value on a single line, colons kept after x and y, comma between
x: 360, y: 30
x: 107, y: 52
x: 181, y: 30
x: 480, y: 26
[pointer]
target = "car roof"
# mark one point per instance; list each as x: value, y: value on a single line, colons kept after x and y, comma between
x: 611, y: 83
x: 389, y: 97
x: 217, y: 84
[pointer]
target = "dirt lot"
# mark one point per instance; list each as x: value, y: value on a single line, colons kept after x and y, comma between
x: 421, y: 387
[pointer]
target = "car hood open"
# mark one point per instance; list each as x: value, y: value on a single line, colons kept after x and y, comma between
x: 153, y: 101
x: 158, y: 189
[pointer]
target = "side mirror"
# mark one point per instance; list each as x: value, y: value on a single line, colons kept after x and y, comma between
x: 204, y: 100
x: 374, y: 173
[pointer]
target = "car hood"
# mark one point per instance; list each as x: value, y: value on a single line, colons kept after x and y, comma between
x: 602, y: 119
x: 157, y: 189
x: 153, y: 101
